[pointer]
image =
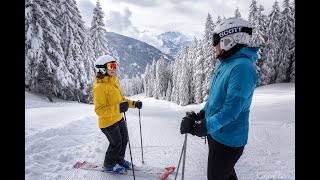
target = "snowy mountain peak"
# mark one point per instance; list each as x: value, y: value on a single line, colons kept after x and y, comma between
x: 134, y: 54
x: 174, y: 40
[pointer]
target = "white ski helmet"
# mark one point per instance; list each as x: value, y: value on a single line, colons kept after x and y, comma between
x: 101, y: 63
x: 230, y: 32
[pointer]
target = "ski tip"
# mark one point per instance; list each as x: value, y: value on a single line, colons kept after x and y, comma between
x: 78, y: 164
x: 164, y: 176
x: 170, y: 168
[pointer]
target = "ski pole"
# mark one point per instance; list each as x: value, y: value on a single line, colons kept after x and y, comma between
x: 125, y: 120
x: 141, y: 137
x: 184, y: 157
x: 182, y: 151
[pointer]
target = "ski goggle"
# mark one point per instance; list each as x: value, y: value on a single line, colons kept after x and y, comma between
x: 217, y: 36
x: 111, y: 66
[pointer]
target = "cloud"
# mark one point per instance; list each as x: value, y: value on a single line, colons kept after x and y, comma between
x: 120, y: 23
x: 86, y: 8
x: 139, y: 2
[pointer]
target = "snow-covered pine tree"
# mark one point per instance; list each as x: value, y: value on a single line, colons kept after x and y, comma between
x: 88, y: 60
x: 73, y: 33
x: 46, y: 71
x: 192, y: 57
x: 99, y: 33
x: 140, y: 86
x: 153, y: 78
x: 237, y: 13
x: 168, y: 92
x: 219, y: 19
x: 161, y: 78
x: 185, y: 77
x: 170, y: 75
x: 253, y: 19
x: 272, y: 46
x: 258, y: 38
x: 131, y: 86
x: 286, y: 40
x: 176, y: 76
x: 208, y: 56
x: 293, y: 57
x: 198, y: 75
x: 147, y: 81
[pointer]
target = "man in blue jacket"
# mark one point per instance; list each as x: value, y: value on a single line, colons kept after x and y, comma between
x: 225, y: 117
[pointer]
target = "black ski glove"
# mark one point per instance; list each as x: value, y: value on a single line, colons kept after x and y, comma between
x: 193, y: 124
x: 188, y: 123
x: 201, y: 128
x: 138, y: 104
x: 201, y: 114
x: 124, y: 106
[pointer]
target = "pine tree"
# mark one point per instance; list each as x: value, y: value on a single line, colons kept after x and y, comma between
x: 73, y: 34
x: 237, y: 13
x: 208, y: 56
x: 287, y: 43
x: 293, y: 55
x: 98, y: 32
x: 46, y: 72
x: 272, y: 46
x: 192, y: 56
x: 168, y: 92
x: 176, y: 76
x: 199, y: 75
x: 253, y: 19
x: 147, y: 81
x: 88, y: 60
x: 161, y: 80
x: 153, y: 78
x: 184, y: 80
x: 219, y: 19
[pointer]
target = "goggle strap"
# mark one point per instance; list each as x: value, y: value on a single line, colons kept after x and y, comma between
x: 216, y: 37
x: 235, y: 30
x: 101, y: 66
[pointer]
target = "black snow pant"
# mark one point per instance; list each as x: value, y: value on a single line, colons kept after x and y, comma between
x: 221, y: 160
x: 117, y: 135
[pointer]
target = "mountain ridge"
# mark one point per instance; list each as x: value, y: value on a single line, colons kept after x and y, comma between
x: 134, y: 55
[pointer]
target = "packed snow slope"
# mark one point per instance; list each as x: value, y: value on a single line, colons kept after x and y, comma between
x: 59, y: 133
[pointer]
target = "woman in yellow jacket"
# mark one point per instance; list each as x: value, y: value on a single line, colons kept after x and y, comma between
x: 109, y: 104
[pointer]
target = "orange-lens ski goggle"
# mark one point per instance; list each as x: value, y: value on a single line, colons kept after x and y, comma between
x: 111, y: 66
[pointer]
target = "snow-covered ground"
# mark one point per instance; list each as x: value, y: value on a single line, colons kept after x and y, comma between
x: 60, y: 133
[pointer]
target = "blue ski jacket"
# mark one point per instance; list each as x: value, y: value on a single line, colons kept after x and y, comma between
x: 228, y: 105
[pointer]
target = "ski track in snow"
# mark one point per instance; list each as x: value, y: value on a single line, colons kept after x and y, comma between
x: 269, y: 153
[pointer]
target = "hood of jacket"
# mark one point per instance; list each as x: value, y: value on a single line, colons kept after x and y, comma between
x: 248, y: 52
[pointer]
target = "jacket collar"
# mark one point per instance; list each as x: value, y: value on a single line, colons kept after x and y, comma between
x: 245, y: 52
x: 106, y: 79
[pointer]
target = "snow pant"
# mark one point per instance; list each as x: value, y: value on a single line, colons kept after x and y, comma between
x: 117, y: 135
x: 221, y: 160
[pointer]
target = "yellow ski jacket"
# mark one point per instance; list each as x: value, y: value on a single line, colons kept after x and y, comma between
x: 107, y: 96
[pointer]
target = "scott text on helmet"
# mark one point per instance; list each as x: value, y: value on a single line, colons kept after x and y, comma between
x: 230, y: 31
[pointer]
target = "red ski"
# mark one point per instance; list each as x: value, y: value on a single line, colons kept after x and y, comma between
x: 139, y: 171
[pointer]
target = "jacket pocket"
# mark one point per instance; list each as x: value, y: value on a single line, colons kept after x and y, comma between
x: 220, y: 130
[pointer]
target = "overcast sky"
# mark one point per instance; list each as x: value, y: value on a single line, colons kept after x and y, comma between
x: 145, y: 19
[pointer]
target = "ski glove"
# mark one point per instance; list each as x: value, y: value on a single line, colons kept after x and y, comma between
x: 201, y: 114
x: 201, y: 129
x: 138, y: 104
x: 187, y: 125
x: 193, y: 124
x: 124, y: 106
x: 188, y: 122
